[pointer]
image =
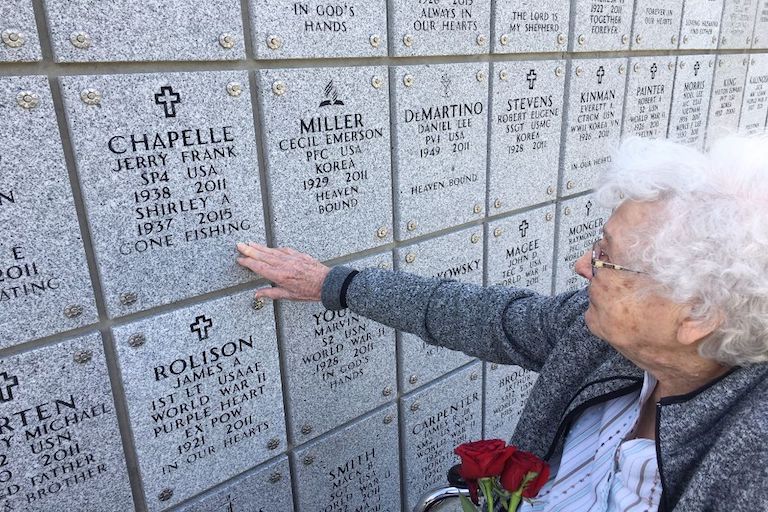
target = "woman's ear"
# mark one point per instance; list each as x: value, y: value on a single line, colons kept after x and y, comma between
x: 693, y: 330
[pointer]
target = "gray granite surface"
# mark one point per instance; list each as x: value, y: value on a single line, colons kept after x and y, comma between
x: 581, y: 222
x: 690, y: 99
x: 593, y: 122
x: 657, y: 24
x: 526, y: 127
x: 168, y: 168
x: 457, y: 256
x: 700, y: 27
x: 649, y: 96
x: 44, y: 283
x: 755, y: 105
x: 505, y: 391
x: 339, y: 365
x: 285, y: 29
x: 737, y: 24
x: 531, y: 26
x: 151, y: 30
x: 437, y: 419
x: 760, y: 35
x: 266, y: 489
x: 204, y: 395
x: 61, y: 447
x: 18, y: 32
x: 453, y: 27
x: 327, y: 148
x: 521, y: 250
x: 601, y: 25
x: 727, y: 94
x: 441, y: 123
x: 354, y: 468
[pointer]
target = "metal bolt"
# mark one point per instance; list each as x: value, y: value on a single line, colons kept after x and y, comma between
x: 721, y: 63
x: 408, y: 80
x: 504, y: 74
x: 83, y: 356
x: 567, y: 210
x: 722, y: 41
x: 388, y: 419
x: 711, y: 63
x: 411, y: 226
x: 497, y: 203
x: 165, y: 495
x: 581, y: 39
x: 308, y: 460
x: 550, y: 190
x: 474, y: 376
x: 234, y: 89
x: 671, y: 66
x: 480, y: 76
x: 494, y: 366
x: 625, y: 39
x: 413, y: 379
x: 757, y: 39
x: 498, y: 232
x: 562, y: 39
x: 90, y: 96
x: 549, y: 216
x: 622, y: 69
x: 570, y: 185
x: 504, y: 39
x: 377, y: 82
x: 128, y: 298
x: 749, y: 40
x: 257, y: 304
x: 682, y: 65
x: 477, y: 208
x: 382, y: 232
x: 80, y: 40
x: 27, y: 99
x: 714, y: 39
x: 73, y: 311
x: 559, y: 71
x: 474, y: 238
x: 375, y: 40
x: 408, y: 40
x: 275, y: 477
x: 415, y: 406
x: 136, y: 340
x: 273, y: 444
x: 306, y: 429
x: 410, y: 257
x: 278, y: 88
x: 744, y: 62
x: 384, y: 265
x: 579, y: 71
x: 13, y: 38
x: 274, y: 42
x: 638, y: 39
x: 685, y: 39
x: 636, y: 68
x: 674, y: 39
x: 387, y: 391
x: 227, y: 41
x: 481, y: 40
x: 752, y: 62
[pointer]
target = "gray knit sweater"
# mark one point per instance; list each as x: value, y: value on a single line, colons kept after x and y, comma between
x: 711, y: 444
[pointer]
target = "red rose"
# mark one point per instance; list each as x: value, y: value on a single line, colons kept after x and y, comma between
x: 517, y: 468
x: 482, y: 459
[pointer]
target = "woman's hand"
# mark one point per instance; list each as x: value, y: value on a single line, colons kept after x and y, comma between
x: 297, y: 276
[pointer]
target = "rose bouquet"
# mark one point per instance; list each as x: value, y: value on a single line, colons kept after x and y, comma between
x: 503, y: 473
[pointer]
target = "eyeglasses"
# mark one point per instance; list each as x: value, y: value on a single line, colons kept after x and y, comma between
x: 597, y: 263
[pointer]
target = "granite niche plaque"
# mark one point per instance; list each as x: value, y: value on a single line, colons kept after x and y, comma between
x: 526, y: 127
x: 760, y: 34
x: 520, y: 250
x: 327, y: 150
x: 435, y: 27
x: 727, y: 95
x: 737, y: 24
x: 42, y: 291
x: 690, y: 99
x: 60, y: 446
x: 581, y: 225
x: 435, y: 421
x: 755, y: 106
x: 440, y: 149
x: 602, y: 25
x: 204, y: 396
x: 286, y: 29
x: 457, y: 256
x: 700, y: 28
x: 167, y: 164
x: 18, y: 32
x: 355, y: 468
x: 339, y: 364
x: 593, y: 127
x: 506, y: 389
x: 649, y: 96
x: 531, y: 26
x: 265, y: 489
x: 657, y: 24
x: 161, y: 30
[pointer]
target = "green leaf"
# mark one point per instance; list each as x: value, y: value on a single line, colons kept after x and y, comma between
x: 466, y: 504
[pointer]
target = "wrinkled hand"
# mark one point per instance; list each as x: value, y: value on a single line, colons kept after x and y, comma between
x: 297, y: 276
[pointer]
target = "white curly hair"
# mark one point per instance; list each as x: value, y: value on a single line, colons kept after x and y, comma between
x: 708, y: 248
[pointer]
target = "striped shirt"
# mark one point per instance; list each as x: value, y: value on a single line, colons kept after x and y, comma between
x: 599, y: 470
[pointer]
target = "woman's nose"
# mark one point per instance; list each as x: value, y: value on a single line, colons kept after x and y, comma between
x: 584, y: 265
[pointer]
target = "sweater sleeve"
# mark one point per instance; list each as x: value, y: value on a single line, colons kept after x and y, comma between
x: 499, y: 324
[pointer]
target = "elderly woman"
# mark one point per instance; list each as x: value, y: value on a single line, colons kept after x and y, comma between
x: 653, y: 387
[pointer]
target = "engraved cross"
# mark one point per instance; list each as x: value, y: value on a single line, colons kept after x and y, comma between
x: 589, y: 206
x: 6, y: 393
x: 696, y: 68
x: 654, y: 69
x: 201, y: 326
x: 600, y: 74
x: 168, y: 99
x: 531, y: 77
x: 523, y: 228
